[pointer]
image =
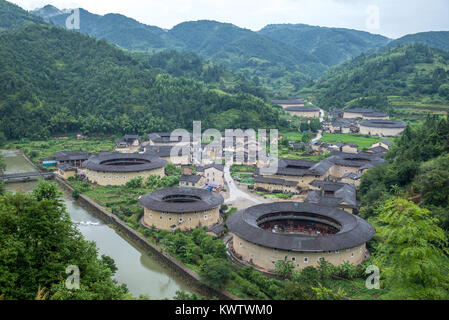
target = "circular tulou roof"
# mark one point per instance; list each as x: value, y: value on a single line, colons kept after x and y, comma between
x: 181, y: 200
x: 123, y: 162
x: 353, y: 230
x: 383, y: 124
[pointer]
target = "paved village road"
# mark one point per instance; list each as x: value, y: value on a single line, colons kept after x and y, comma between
x: 320, y: 132
x: 235, y: 193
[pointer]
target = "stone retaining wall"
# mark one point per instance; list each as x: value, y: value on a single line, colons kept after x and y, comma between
x: 173, y: 263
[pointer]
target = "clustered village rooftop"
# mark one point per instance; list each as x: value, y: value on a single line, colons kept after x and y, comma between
x: 320, y: 223
x: 363, y: 121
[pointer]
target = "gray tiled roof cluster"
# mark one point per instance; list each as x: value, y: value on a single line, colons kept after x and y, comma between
x: 336, y: 113
x: 302, y: 109
x: 275, y: 181
x: 190, y: 178
x: 163, y: 151
x: 359, y: 110
x: 291, y: 101
x: 71, y: 155
x: 321, y: 167
x: 340, y: 192
x: 376, y: 114
x: 293, y: 167
x: 165, y: 137
x: 352, y: 175
x: 130, y: 138
x: 217, y: 166
x: 66, y: 167
x: 356, y: 160
x: 377, y: 150
x: 216, y: 229
x: 206, y: 200
x: 354, y: 231
x: 344, y: 123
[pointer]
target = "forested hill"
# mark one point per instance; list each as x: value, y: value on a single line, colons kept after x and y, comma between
x: 436, y: 39
x: 53, y: 81
x: 415, y: 71
x: 225, y: 44
x: 330, y: 45
x: 13, y: 17
x: 116, y: 28
x: 191, y: 66
x: 416, y: 168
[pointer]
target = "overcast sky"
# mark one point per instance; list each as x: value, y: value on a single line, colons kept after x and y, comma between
x: 395, y: 17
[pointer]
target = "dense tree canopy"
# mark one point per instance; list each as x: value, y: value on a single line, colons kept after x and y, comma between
x: 412, y: 71
x: 38, y: 241
x: 411, y: 252
x: 416, y: 166
x: 53, y: 81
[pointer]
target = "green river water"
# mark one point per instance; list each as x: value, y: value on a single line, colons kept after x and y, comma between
x: 142, y: 273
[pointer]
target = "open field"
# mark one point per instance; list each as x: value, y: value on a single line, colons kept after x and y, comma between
x: 405, y: 108
x: 46, y: 148
x: 363, y: 142
x: 291, y: 136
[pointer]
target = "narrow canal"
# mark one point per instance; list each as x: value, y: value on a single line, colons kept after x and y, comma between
x: 141, y: 273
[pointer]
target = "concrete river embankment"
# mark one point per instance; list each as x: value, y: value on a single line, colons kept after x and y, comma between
x: 143, y: 273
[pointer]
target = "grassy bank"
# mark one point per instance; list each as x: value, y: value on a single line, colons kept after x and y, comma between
x: 364, y: 142
x: 46, y: 148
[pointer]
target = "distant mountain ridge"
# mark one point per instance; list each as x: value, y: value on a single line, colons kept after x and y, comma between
x: 414, y: 70
x: 269, y: 56
x: 280, y: 57
x: 13, y: 17
x: 436, y: 39
x: 330, y: 45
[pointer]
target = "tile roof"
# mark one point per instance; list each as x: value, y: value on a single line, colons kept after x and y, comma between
x: 354, y: 231
x: 188, y: 200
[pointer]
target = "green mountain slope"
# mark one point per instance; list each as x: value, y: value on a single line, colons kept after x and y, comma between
x: 118, y: 29
x: 55, y: 81
x: 278, y: 65
x: 436, y: 39
x: 329, y: 45
x: 13, y: 17
x: 413, y: 71
x: 191, y: 66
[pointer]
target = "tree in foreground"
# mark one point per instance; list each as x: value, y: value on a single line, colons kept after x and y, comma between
x: 38, y: 242
x: 215, y: 272
x: 412, y: 252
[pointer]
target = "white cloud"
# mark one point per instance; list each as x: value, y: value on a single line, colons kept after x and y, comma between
x: 397, y: 17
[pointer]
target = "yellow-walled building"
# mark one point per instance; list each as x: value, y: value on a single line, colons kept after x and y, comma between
x: 112, y: 169
x: 304, y: 112
x: 181, y: 208
x: 302, y: 233
x: 382, y: 128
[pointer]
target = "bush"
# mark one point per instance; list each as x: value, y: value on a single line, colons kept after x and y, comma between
x: 75, y: 194
x: 347, y: 271
x: 215, y: 272
x: 134, y: 183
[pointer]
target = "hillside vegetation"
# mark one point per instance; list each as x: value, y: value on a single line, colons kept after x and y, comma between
x: 190, y: 65
x: 416, y: 168
x: 436, y: 39
x: 414, y: 71
x: 13, y: 17
x: 53, y: 80
x: 330, y: 46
